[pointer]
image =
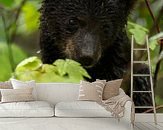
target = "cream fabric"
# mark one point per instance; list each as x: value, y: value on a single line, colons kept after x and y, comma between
x: 114, y: 101
x: 111, y: 89
x: 16, y: 95
x: 57, y: 92
x: 56, y: 123
x: 116, y: 105
x: 23, y: 85
x: 80, y: 109
x: 91, y: 91
x: 5, y: 85
x: 17, y: 84
x: 63, y: 92
x: 26, y: 109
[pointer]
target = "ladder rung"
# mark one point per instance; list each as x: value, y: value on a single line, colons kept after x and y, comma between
x: 142, y: 91
x: 141, y: 62
x: 144, y: 107
x: 141, y: 75
x: 140, y: 49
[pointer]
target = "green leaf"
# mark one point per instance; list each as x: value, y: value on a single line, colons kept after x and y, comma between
x: 134, y: 25
x: 153, y: 41
x: 161, y: 56
x: 50, y: 77
x: 27, y: 75
x: 139, y: 35
x: 84, y: 73
x: 32, y: 63
x: 61, y: 66
x: 154, y: 58
x: 7, y: 3
x: 72, y: 68
x: 138, y: 31
x: 157, y: 36
x: 46, y: 68
x: 153, y: 45
x: 73, y: 62
x: 75, y: 70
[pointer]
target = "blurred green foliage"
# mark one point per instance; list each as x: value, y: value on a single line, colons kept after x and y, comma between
x: 5, y: 66
x: 29, y: 21
x: 7, y: 3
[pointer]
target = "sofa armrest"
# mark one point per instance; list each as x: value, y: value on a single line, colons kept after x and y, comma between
x: 128, y: 112
x: 126, y: 119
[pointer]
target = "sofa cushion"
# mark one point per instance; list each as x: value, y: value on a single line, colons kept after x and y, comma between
x: 5, y: 85
x: 26, y: 109
x: 80, y: 109
x: 111, y: 89
x: 16, y: 95
x: 23, y: 85
x: 91, y: 91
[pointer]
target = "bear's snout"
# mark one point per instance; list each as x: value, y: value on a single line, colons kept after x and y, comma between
x: 85, y: 48
x: 89, y: 50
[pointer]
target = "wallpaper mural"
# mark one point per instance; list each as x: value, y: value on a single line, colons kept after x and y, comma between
x: 65, y: 41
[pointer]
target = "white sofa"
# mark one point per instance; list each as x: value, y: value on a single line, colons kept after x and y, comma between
x: 65, y: 92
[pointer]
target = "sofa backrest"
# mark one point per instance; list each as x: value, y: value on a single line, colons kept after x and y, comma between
x: 57, y: 92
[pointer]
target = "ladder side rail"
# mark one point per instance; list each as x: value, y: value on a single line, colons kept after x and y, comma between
x: 151, y: 80
x: 132, y: 59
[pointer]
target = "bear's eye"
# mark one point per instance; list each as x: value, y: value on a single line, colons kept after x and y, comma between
x: 73, y: 22
x: 73, y: 25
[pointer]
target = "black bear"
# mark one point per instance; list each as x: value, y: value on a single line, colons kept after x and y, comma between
x: 91, y: 32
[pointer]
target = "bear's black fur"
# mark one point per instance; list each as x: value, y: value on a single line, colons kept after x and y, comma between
x: 91, y: 32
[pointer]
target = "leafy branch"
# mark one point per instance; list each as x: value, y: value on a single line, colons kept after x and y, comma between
x: 60, y: 71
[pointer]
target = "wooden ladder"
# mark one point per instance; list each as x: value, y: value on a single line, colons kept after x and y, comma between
x: 142, y: 75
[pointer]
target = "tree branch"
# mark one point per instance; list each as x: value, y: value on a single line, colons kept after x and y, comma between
x: 157, y: 108
x: 160, y: 41
x: 11, y: 58
x: 158, y: 31
x: 157, y: 20
x: 152, y: 15
x: 12, y: 38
